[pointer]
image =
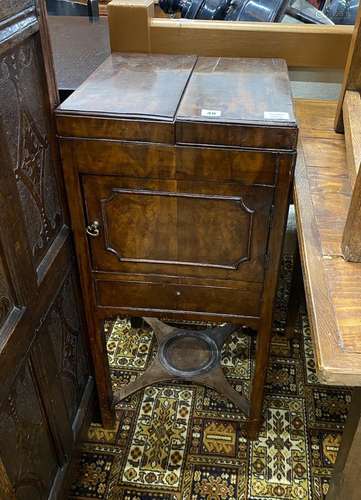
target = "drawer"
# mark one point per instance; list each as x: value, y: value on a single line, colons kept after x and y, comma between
x: 167, y: 297
x: 181, y: 228
x: 174, y: 162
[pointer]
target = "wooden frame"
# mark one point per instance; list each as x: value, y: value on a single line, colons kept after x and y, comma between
x: 134, y: 28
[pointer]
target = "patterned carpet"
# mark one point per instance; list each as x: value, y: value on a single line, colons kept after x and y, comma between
x: 183, y: 442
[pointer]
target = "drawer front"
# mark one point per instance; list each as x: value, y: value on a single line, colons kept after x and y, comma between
x: 181, y: 228
x: 175, y: 162
x: 168, y: 297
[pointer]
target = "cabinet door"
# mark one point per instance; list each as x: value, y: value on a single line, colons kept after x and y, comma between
x: 178, y: 227
x: 44, y: 375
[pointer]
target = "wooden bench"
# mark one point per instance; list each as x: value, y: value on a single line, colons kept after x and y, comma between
x: 327, y: 197
x: 322, y: 195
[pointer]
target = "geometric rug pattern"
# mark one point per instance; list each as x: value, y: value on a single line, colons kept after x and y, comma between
x: 185, y: 442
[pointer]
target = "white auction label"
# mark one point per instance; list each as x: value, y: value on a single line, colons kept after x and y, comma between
x: 211, y: 113
x: 276, y: 115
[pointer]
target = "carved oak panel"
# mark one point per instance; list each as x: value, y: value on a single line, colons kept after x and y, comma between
x: 64, y: 327
x: 26, y: 448
x: 24, y: 115
x: 37, y: 403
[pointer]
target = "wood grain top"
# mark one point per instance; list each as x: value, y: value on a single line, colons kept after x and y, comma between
x: 187, y: 88
x: 240, y: 91
x: 322, y: 193
x: 133, y: 86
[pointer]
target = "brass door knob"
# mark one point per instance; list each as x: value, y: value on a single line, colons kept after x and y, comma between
x: 93, y: 229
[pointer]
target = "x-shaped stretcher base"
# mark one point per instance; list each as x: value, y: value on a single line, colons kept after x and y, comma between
x: 188, y: 355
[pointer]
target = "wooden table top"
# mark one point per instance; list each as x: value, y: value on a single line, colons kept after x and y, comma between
x: 79, y: 47
x: 322, y: 194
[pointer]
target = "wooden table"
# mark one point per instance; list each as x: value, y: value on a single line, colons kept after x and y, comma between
x: 322, y: 193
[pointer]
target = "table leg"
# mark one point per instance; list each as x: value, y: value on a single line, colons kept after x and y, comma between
x: 296, y: 293
x: 346, y: 478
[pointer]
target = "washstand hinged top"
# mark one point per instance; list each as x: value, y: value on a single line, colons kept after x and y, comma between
x: 176, y: 90
x: 178, y: 170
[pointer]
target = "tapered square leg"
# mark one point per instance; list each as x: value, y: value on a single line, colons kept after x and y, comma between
x: 255, y: 420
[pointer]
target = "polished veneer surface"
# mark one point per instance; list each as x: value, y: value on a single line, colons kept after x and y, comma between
x: 178, y: 171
